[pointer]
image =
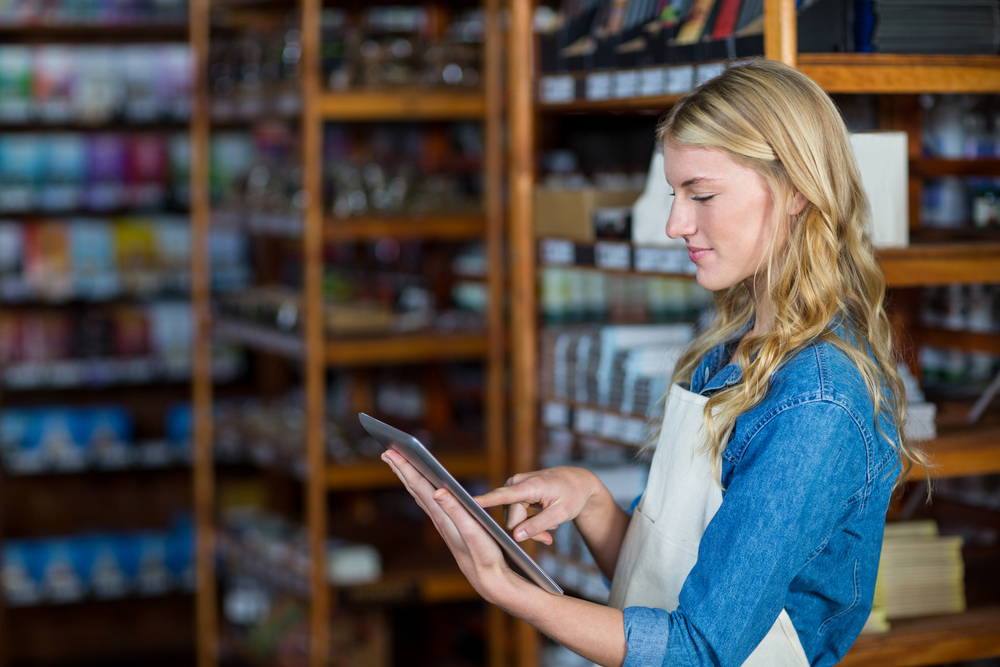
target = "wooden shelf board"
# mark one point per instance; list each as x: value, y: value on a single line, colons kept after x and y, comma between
x: 973, y: 635
x: 941, y: 264
x: 402, y: 105
x: 654, y: 104
x: 428, y: 585
x: 941, y: 167
x: 375, y: 474
x: 140, y: 32
x: 430, y: 227
x: 414, y: 348
x: 260, y: 337
x: 891, y: 73
x: 966, y: 340
x: 963, y: 451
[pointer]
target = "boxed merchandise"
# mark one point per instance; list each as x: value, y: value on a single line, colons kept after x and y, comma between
x: 570, y: 214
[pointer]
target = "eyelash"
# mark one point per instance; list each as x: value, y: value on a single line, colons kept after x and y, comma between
x: 697, y: 199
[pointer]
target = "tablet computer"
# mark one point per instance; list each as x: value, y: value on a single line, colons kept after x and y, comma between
x: 413, y: 451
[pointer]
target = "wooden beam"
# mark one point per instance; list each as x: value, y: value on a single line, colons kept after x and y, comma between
x: 781, y: 31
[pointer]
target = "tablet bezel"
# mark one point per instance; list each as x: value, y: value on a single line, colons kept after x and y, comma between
x: 419, y: 457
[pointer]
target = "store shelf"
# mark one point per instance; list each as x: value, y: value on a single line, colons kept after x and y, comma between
x: 433, y: 578
x: 650, y: 105
x: 448, y: 227
x: 966, y: 340
x: 890, y: 73
x: 941, y: 264
x: 259, y: 337
x: 376, y: 474
x: 96, y: 373
x: 962, y: 451
x: 933, y: 640
x: 403, y: 105
x: 940, y: 167
x: 82, y: 34
x: 96, y: 126
x: 413, y: 348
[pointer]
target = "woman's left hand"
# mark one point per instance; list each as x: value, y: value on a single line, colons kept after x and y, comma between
x: 477, y: 553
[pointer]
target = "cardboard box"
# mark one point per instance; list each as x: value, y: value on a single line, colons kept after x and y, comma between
x: 569, y: 214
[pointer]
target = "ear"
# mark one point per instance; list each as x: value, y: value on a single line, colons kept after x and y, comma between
x: 799, y: 202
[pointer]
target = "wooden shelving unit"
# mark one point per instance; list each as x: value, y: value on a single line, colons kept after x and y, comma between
x: 958, y: 452
x: 408, y: 105
x: 153, y: 629
x: 314, y: 231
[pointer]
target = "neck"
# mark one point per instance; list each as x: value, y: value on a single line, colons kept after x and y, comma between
x: 763, y: 313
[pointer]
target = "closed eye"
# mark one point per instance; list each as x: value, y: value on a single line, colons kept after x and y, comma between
x: 702, y: 199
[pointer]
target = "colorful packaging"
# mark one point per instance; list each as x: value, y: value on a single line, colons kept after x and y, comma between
x: 136, y: 254
x: 106, y: 172
x: 20, y: 572
x: 64, y: 559
x: 152, y: 576
x: 171, y: 328
x: 53, y: 78
x: 180, y: 170
x: 92, y: 249
x: 12, y: 285
x: 105, y: 433
x: 131, y: 332
x: 107, y: 576
x: 173, y: 243
x: 141, y: 69
x: 146, y: 170
x: 65, y: 172
x: 15, y: 84
x: 10, y: 337
x: 21, y: 171
x: 47, y: 260
x: 180, y: 552
x: 173, y: 90
x: 99, y: 90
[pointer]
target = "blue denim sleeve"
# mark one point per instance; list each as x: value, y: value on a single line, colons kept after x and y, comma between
x: 788, y: 491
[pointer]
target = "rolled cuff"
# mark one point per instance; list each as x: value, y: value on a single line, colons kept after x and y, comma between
x: 646, y: 633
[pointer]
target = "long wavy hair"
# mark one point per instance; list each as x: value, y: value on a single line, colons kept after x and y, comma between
x: 773, y: 119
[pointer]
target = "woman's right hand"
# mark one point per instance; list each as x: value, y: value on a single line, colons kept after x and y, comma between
x: 562, y: 494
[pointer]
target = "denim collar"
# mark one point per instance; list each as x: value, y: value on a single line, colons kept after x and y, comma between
x: 715, y: 372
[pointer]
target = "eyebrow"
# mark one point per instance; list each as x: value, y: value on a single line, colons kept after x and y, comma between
x: 697, y: 179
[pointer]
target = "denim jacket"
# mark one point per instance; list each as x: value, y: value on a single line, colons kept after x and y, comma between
x: 807, y: 479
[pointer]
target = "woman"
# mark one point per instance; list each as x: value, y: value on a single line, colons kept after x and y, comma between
x: 757, y: 539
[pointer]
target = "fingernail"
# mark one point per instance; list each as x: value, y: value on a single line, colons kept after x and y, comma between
x: 520, y: 534
x: 440, y: 500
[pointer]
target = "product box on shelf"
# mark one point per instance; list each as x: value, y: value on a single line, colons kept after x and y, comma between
x: 576, y: 214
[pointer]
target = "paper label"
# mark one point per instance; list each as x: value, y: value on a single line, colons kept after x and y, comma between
x: 599, y: 86
x: 651, y: 82
x: 613, y: 256
x: 558, y: 251
x: 626, y: 83
x: 557, y: 89
x: 680, y: 79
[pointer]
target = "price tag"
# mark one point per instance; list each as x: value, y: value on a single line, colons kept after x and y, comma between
x: 557, y: 89
x: 599, y: 86
x: 611, y: 426
x: 626, y: 83
x: 708, y: 71
x: 558, y: 251
x: 651, y: 82
x: 613, y: 256
x: 555, y: 415
x: 586, y: 421
x: 680, y: 79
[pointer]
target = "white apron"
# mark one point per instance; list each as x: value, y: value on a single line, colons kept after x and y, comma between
x: 661, y: 543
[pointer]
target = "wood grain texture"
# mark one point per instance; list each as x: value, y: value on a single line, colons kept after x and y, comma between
x: 206, y: 619
x: 961, y: 452
x: 781, y: 31
x: 941, y: 264
x: 934, y: 640
x: 409, y: 105
x: 890, y: 73
x: 314, y: 371
x: 415, y: 348
x: 378, y: 475
x: 445, y: 227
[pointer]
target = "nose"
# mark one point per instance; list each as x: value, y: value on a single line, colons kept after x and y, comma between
x: 679, y: 223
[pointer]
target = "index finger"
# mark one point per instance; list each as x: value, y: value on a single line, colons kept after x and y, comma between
x: 507, y: 495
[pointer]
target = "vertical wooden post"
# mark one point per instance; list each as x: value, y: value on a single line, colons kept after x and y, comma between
x: 315, y: 359
x: 781, y: 41
x: 206, y: 618
x: 496, y: 432
x: 4, y: 628
x: 524, y: 336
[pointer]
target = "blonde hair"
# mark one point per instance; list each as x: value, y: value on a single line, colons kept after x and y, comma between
x: 773, y: 119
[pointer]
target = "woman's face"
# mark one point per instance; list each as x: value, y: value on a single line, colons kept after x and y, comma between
x: 724, y: 212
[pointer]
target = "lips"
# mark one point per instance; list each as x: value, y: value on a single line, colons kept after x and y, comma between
x: 694, y: 254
